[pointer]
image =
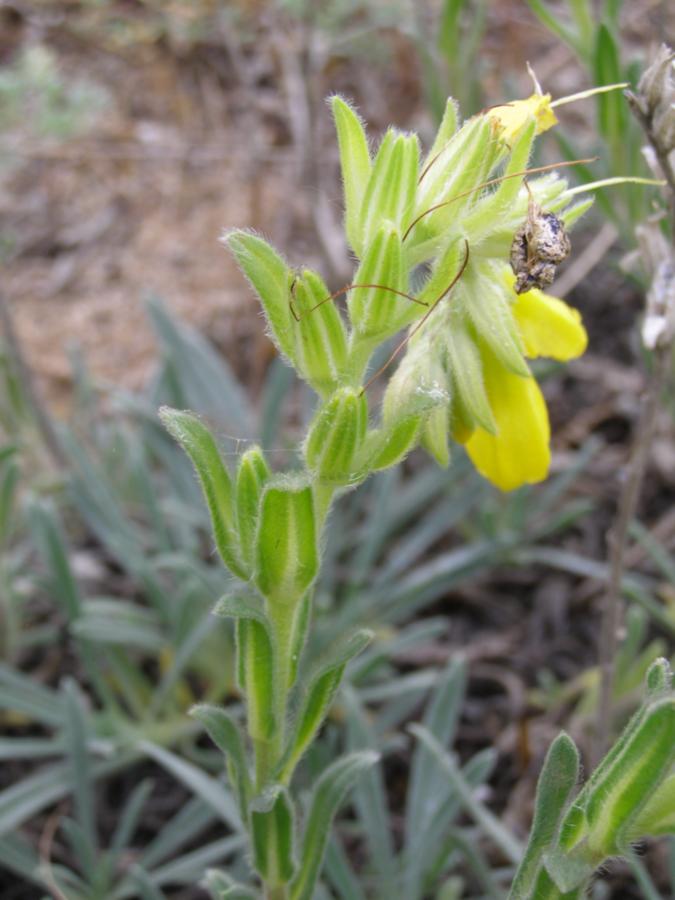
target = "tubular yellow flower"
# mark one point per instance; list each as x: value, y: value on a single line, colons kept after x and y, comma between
x: 518, y: 453
x: 548, y: 326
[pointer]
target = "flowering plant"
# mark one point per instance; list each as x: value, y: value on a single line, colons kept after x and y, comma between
x: 454, y: 246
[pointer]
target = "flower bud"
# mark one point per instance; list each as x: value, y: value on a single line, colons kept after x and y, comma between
x: 252, y: 474
x: 286, y: 551
x: 378, y: 312
x: 390, y: 194
x: 336, y: 436
x: 634, y: 776
x: 319, y: 334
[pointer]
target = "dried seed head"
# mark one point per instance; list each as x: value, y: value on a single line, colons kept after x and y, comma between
x: 657, y: 85
x: 656, y: 97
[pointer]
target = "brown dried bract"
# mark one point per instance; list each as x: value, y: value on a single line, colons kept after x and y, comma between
x: 538, y: 246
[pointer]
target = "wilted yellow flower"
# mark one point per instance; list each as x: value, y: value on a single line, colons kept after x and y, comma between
x: 512, y: 117
x: 518, y: 452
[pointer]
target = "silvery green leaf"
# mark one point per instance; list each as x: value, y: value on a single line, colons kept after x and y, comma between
x: 466, y: 367
x: 226, y: 735
x: 486, y: 301
x: 327, y: 795
x: 557, y: 781
x: 445, y: 132
x: 323, y: 685
x: 386, y: 446
x: 271, y: 279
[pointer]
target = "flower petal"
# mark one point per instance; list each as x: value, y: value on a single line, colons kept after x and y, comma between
x: 519, y: 453
x: 511, y: 117
x: 548, y: 326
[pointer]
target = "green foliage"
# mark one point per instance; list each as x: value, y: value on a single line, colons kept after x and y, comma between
x: 622, y: 801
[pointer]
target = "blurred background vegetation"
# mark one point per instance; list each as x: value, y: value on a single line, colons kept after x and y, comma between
x: 132, y: 133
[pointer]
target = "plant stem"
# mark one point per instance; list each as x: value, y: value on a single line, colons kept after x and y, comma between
x: 268, y: 753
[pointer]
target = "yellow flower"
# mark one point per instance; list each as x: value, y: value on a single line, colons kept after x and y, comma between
x: 548, y: 326
x: 518, y: 453
x: 511, y: 117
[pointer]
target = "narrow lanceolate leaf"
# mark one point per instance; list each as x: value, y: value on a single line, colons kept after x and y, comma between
x: 419, y: 384
x: 445, y: 132
x: 323, y: 686
x: 454, y: 178
x: 386, y: 446
x: 477, y: 810
x: 336, y: 436
x: 287, y: 556
x: 225, y: 734
x: 374, y: 311
x: 390, y: 195
x: 252, y: 474
x: 467, y: 371
x: 80, y: 770
x: 326, y: 798
x: 557, y: 781
x: 319, y: 334
x: 271, y: 278
x: 355, y: 166
x: 48, y: 534
x: 636, y: 773
x: 435, y: 435
x: 272, y: 836
x: 484, y: 297
x: 496, y: 201
x: 201, y: 447
x: 426, y: 782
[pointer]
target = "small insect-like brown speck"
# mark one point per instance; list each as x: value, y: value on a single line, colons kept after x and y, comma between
x: 538, y: 246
